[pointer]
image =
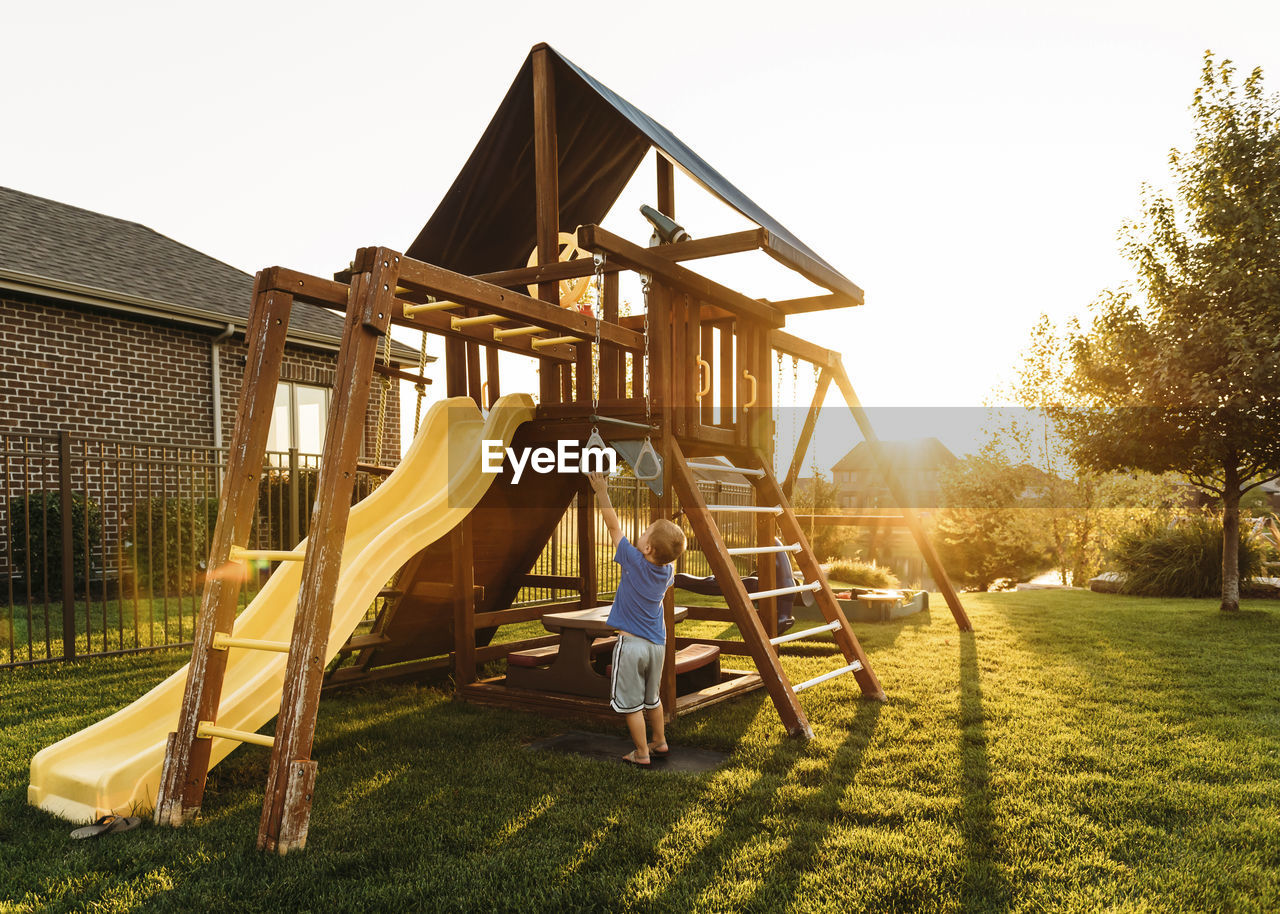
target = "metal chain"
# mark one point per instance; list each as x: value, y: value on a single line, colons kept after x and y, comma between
x: 598, y: 313
x: 648, y: 368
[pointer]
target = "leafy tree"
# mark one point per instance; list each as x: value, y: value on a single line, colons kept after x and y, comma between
x: 819, y: 495
x: 1183, y: 373
x: 988, y: 533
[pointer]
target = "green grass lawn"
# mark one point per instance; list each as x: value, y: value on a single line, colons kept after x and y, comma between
x: 1079, y: 752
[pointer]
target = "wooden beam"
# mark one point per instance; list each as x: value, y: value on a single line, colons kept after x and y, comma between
x: 898, y: 492
x: 853, y: 520
x: 546, y: 175
x: 666, y: 185
x: 814, y: 303
x: 790, y: 344
x: 593, y: 238
x: 328, y: 293
x: 696, y: 249
x: 387, y: 372
x: 491, y: 299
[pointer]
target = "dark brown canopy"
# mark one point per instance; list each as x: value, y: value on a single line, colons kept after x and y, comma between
x: 486, y: 221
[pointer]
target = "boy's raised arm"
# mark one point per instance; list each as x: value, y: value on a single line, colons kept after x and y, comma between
x: 601, y: 487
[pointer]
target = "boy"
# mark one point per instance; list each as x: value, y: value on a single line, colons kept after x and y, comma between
x: 637, y: 615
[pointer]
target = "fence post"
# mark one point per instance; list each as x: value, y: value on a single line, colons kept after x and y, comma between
x: 68, y: 547
x: 295, y: 501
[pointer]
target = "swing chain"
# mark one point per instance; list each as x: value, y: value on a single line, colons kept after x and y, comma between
x: 599, y: 316
x: 648, y: 368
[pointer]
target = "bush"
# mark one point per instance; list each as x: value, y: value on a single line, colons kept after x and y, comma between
x: 35, y: 530
x: 863, y: 574
x: 1183, y: 559
x: 167, y: 542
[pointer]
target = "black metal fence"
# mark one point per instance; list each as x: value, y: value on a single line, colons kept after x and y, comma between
x: 103, y: 544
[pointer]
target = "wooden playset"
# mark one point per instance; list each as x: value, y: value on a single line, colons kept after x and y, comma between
x: 686, y: 381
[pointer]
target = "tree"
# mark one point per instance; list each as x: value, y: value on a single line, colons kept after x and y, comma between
x: 988, y: 534
x: 819, y: 495
x: 1182, y: 373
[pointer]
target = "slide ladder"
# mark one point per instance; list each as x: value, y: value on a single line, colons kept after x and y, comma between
x: 774, y: 518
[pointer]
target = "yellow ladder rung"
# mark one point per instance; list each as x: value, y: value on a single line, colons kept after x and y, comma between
x: 207, y: 730
x: 240, y: 554
x: 222, y: 641
x: 457, y: 323
x: 505, y: 332
x: 554, y: 341
x: 411, y: 309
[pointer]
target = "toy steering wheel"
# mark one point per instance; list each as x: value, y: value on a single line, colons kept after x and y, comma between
x: 571, y: 290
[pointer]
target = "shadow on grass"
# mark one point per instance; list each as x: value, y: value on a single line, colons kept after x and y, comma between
x: 747, y: 820
x: 982, y: 885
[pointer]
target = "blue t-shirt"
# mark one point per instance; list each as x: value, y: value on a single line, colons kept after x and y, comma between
x: 637, y: 606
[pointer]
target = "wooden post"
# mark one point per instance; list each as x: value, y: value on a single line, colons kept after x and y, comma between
x: 728, y: 384
x: 612, y: 380
x: 286, y: 811
x: 473, y: 373
x: 666, y: 185
x: 899, y: 495
x: 588, y: 575
x: 464, y: 606
x: 706, y: 351
x: 186, y: 763
x: 546, y: 167
x: 455, y: 367
x: 491, y: 375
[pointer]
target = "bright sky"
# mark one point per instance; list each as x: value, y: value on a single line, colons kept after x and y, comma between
x: 967, y: 164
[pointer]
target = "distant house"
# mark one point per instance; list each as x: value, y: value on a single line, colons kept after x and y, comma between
x: 918, y: 463
x: 112, y: 330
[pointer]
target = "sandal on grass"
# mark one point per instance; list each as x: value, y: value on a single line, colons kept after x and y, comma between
x: 630, y: 759
x: 107, y: 825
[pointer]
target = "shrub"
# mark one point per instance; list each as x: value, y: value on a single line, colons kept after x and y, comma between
x: 862, y: 574
x: 167, y: 542
x: 35, y: 530
x: 1183, y: 559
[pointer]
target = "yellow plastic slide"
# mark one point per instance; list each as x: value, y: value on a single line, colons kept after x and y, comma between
x: 114, y: 765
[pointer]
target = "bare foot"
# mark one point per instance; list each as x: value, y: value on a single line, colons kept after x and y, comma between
x: 659, y: 748
x: 633, y: 757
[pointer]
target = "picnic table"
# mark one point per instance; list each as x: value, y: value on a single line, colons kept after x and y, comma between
x: 571, y: 670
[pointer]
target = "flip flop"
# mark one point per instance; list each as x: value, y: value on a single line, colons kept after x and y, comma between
x: 107, y: 825
x: 656, y: 753
x: 630, y: 759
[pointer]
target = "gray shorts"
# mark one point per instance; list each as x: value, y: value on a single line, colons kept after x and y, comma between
x: 637, y: 673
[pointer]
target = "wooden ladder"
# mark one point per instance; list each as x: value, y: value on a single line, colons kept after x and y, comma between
x: 771, y: 507
x: 291, y: 776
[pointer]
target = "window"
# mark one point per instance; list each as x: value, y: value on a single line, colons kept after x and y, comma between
x: 298, y: 418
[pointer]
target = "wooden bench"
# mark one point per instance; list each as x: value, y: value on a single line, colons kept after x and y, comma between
x: 545, y: 656
x: 697, y: 666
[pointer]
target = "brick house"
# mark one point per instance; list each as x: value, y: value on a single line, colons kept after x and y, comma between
x: 113, y: 330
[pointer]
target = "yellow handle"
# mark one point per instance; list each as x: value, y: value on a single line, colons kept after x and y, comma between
x: 704, y: 387
x: 750, y: 377
x: 484, y: 393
